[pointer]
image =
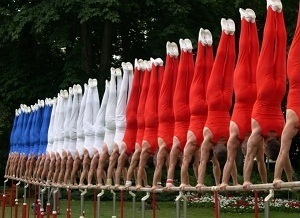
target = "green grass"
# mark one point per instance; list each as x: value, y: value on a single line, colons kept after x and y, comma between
x: 166, y: 210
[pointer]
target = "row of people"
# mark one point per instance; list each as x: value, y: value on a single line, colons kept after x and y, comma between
x: 180, y: 110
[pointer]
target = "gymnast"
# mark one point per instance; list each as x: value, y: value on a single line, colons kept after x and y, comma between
x: 267, y: 117
x: 219, y: 97
x: 244, y: 85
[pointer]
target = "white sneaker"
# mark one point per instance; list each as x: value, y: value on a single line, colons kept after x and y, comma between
x: 153, y: 62
x: 118, y: 72
x: 201, y: 37
x: 174, y: 49
x: 231, y: 26
x: 129, y: 66
x: 244, y: 14
x: 182, y: 44
x: 251, y: 14
x: 124, y: 66
x: 208, y: 37
x: 224, y: 26
x: 112, y: 71
x: 168, y: 48
x: 70, y: 91
x: 79, y: 89
x: 188, y: 45
x: 159, y: 62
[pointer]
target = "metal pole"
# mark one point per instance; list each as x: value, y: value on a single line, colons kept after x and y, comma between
x: 122, y: 204
x: 256, y: 210
x: 143, y: 203
x: 4, y: 199
x: 42, y: 209
x: 267, y: 203
x: 217, y: 206
x: 98, y: 202
x: 83, y: 192
x: 54, y: 212
x: 133, y: 203
x: 69, y: 204
x: 48, y: 206
x: 178, y: 198
x: 24, y: 211
x: 17, y: 200
x: 114, y: 203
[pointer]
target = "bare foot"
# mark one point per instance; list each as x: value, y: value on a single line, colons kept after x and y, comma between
x: 246, y: 185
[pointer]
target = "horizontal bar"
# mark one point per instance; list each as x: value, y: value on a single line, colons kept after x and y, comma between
x: 254, y: 187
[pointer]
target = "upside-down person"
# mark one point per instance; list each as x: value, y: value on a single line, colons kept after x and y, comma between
x: 140, y: 126
x: 165, y: 111
x: 15, y: 154
x: 123, y: 99
x: 62, y: 113
x: 49, y: 152
x: 150, y: 142
x: 99, y: 126
x: 197, y: 105
x: 129, y: 139
x: 43, y: 139
x: 77, y: 96
x: 34, y: 139
x: 90, y: 114
x: 244, y: 85
x: 267, y: 117
x: 219, y: 97
x: 80, y: 138
x: 291, y: 127
x: 181, y: 106
x: 110, y: 124
x: 65, y: 147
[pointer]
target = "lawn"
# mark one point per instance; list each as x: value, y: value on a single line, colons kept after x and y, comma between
x: 165, y: 210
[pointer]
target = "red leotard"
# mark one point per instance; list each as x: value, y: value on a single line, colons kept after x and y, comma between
x: 181, y: 97
x: 131, y: 111
x: 141, y: 108
x: 244, y: 79
x: 151, y: 107
x: 165, y: 101
x: 271, y: 75
x: 198, y: 105
x: 220, y: 89
x: 293, y: 72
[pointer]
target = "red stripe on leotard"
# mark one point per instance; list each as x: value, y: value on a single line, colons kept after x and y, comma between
x: 131, y: 111
x: 220, y: 89
x: 271, y: 75
x: 165, y: 101
x: 198, y: 105
x: 151, y: 106
x: 181, y: 97
x: 244, y: 79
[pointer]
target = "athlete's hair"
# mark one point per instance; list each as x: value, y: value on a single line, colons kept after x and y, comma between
x: 221, y: 153
x: 272, y: 149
